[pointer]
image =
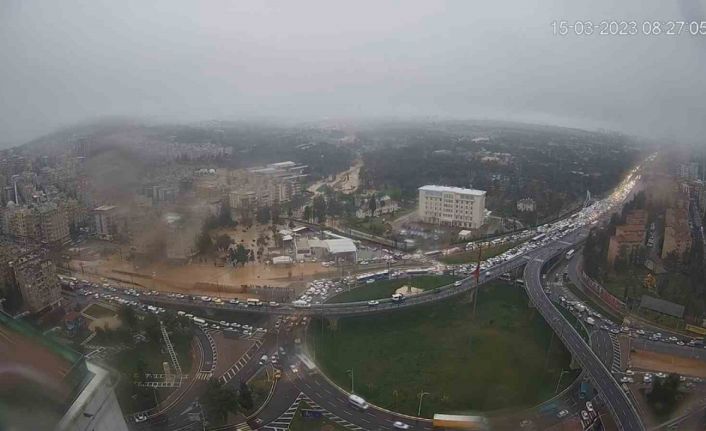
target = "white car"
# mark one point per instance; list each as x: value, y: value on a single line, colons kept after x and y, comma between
x: 373, y: 303
x: 589, y: 406
x: 400, y: 425
x: 562, y: 414
x: 140, y: 417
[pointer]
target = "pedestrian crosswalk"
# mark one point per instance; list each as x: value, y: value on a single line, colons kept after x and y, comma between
x: 283, y: 422
x: 233, y: 370
x: 214, y: 352
x: 615, y: 363
x: 330, y: 416
x: 203, y: 375
x: 285, y: 419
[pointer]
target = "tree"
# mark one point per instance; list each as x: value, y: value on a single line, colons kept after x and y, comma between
x: 245, y: 395
x: 275, y: 214
x: 127, y: 316
x: 663, y: 396
x: 263, y: 215
x: 671, y: 261
x: 319, y: 211
x: 219, y: 400
x: 372, y: 205
x: 223, y: 241
x: 241, y: 254
x: 224, y: 214
x: 204, y: 243
x: 307, y: 213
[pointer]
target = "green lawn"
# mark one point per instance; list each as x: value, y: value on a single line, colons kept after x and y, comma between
x: 323, y: 424
x: 260, y: 386
x: 472, y: 256
x: 496, y: 360
x: 385, y: 288
x: 629, y: 282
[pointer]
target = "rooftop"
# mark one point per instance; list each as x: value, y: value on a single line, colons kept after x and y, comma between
x: 449, y: 189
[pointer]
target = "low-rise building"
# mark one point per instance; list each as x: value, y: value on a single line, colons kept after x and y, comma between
x: 452, y: 206
x: 677, y: 235
x: 526, y: 205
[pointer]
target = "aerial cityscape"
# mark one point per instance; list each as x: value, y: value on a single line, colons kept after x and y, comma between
x: 364, y: 239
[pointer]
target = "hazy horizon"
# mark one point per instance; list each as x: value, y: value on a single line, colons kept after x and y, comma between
x: 178, y: 61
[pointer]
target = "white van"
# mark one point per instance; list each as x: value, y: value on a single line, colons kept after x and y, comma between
x: 397, y: 297
x: 358, y: 402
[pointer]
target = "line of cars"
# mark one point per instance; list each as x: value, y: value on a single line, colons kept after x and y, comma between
x: 244, y: 329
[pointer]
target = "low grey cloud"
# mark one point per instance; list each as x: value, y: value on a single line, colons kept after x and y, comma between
x: 177, y: 60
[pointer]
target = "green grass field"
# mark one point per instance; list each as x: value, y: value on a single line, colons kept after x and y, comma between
x: 472, y: 256
x: 385, y: 288
x: 496, y: 360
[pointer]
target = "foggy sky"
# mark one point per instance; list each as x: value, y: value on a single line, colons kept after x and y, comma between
x: 173, y: 60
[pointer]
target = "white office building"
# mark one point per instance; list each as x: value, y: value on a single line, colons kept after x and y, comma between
x: 452, y: 206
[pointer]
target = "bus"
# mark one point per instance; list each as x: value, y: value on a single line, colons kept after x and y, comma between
x: 199, y: 321
x: 459, y: 422
x: 539, y: 237
x: 570, y: 254
x: 253, y: 302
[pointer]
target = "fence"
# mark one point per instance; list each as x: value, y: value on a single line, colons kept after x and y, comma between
x: 608, y: 298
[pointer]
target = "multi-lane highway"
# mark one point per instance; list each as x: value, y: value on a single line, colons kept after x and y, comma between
x: 623, y: 411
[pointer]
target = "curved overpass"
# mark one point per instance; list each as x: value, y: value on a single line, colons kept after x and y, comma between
x: 622, y: 409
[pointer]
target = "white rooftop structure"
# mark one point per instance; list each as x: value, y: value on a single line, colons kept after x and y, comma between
x: 336, y: 246
x: 449, y: 189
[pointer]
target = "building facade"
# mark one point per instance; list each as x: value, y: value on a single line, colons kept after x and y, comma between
x: 36, y: 281
x: 452, y: 206
x: 526, y: 205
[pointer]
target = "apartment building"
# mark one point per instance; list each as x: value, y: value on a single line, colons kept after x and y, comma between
x: 452, y: 206
x: 35, y: 278
x: 106, y: 221
x: 274, y: 184
x: 677, y: 235
x: 629, y: 237
x: 46, y: 222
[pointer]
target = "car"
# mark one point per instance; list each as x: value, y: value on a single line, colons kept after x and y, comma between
x: 294, y: 368
x: 264, y: 359
x: 140, y: 417
x: 584, y: 415
x: 400, y: 425
x: 661, y: 375
x: 278, y: 374
x: 589, y: 406
x: 626, y: 380
x: 254, y: 423
x: 640, y: 332
x: 562, y: 414
x: 629, y: 372
x: 457, y: 283
x: 223, y: 323
x: 373, y: 303
x: 273, y: 304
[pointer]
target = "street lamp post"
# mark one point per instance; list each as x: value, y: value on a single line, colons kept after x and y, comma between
x: 352, y: 380
x: 421, y: 397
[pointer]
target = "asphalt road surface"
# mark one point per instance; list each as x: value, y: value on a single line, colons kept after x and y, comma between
x: 623, y: 411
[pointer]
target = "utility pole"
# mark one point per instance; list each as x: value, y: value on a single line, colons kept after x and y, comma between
x: 421, y: 397
x: 352, y: 380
